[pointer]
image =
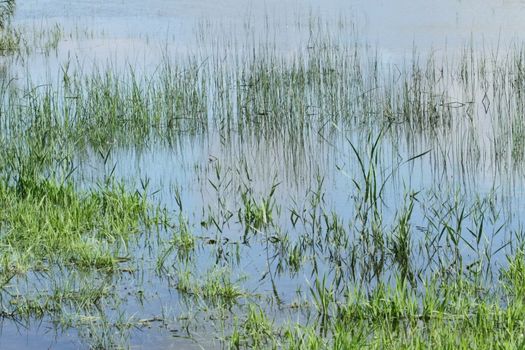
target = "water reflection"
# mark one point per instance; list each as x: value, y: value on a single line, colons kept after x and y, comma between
x: 303, y: 145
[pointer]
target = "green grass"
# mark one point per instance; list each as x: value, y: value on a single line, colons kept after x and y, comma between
x: 455, y: 316
x: 7, y: 9
x: 52, y: 223
x: 10, y: 38
x: 215, y: 286
x: 433, y: 267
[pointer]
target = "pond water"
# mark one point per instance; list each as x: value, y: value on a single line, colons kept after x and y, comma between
x: 471, y: 158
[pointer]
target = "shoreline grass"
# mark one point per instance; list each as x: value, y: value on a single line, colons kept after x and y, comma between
x: 430, y: 268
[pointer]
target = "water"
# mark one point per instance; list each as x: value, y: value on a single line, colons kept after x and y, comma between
x: 138, y: 34
x: 380, y: 23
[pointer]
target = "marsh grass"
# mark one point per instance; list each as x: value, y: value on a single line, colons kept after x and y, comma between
x: 60, y: 241
x: 215, y: 286
x: 448, y: 316
x: 52, y: 222
x: 431, y: 268
x: 9, y: 37
x: 7, y: 9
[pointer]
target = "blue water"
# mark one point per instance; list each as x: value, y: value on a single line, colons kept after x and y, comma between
x: 123, y: 34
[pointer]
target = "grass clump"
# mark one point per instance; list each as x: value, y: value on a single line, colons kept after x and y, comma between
x: 9, y: 37
x: 9, y: 40
x: 256, y: 331
x: 52, y: 222
x: 216, y: 286
x: 7, y: 9
x: 439, y: 316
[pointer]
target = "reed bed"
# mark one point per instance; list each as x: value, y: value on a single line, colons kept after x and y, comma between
x: 249, y: 265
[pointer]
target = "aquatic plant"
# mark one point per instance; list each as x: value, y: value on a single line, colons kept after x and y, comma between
x: 7, y: 10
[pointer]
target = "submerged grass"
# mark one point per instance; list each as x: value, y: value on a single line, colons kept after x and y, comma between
x: 454, y: 316
x: 423, y: 270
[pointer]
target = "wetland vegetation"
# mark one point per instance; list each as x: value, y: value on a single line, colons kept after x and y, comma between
x: 240, y: 195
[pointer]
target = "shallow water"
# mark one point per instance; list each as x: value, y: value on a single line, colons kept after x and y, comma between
x: 140, y: 35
